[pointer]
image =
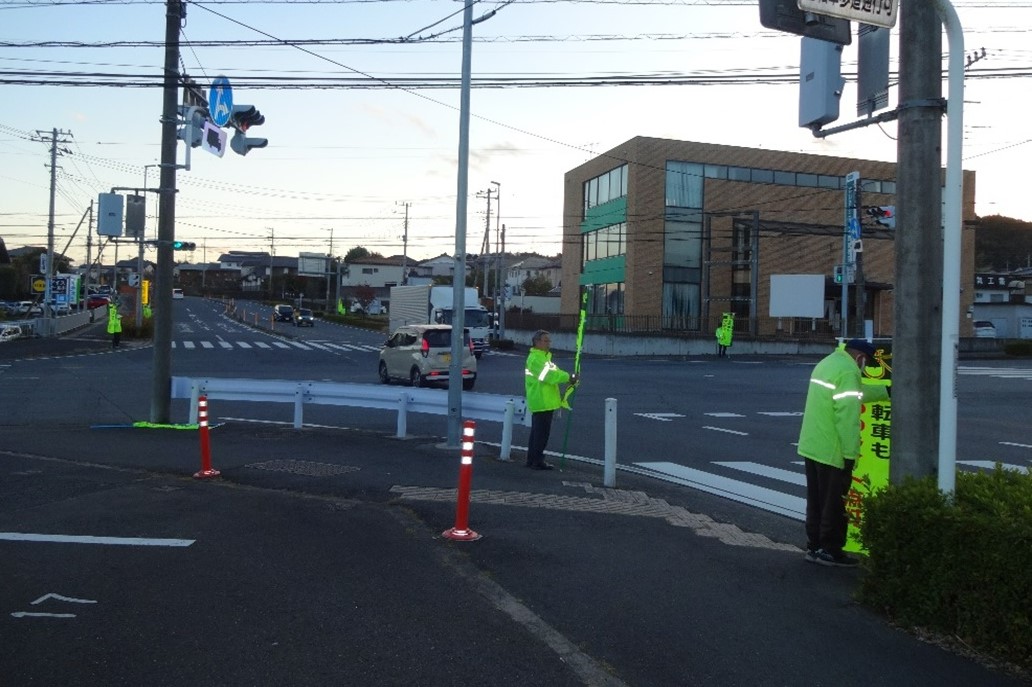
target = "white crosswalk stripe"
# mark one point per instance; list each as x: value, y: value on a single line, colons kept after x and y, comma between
x: 998, y: 372
x: 325, y: 346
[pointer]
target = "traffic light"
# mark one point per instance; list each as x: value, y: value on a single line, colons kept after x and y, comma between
x: 884, y: 215
x: 183, y: 245
x: 242, y: 119
x: 193, y: 124
x: 838, y: 274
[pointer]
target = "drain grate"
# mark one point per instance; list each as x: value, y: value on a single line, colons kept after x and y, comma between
x: 303, y: 467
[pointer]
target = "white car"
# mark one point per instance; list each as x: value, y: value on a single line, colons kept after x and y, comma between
x: 421, y: 354
x: 177, y: 294
x: 984, y: 329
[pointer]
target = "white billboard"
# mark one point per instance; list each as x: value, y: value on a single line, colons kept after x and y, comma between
x: 797, y: 295
x: 312, y: 264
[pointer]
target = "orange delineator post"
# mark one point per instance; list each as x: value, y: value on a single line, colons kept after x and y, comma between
x: 461, y: 531
x: 202, y: 425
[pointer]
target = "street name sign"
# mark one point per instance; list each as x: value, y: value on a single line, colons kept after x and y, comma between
x: 877, y: 12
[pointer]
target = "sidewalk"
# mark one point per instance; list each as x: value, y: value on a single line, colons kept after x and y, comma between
x: 330, y: 541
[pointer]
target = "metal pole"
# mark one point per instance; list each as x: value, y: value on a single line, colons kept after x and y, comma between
x: 459, y: 277
x: 953, y: 196
x: 502, y: 292
x: 609, y: 468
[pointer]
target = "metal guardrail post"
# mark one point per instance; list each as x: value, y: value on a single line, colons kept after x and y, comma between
x: 403, y: 400
x: 609, y: 471
x: 195, y: 395
x: 299, y: 407
x: 506, y: 448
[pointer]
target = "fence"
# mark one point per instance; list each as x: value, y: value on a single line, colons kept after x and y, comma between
x: 475, y: 406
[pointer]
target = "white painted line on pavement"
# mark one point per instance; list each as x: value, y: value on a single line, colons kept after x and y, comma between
x: 728, y: 431
x: 1011, y: 443
x: 243, y: 344
x: 787, y: 413
x: 723, y: 415
x: 743, y: 492
x: 765, y: 471
x: 990, y: 465
x: 82, y: 539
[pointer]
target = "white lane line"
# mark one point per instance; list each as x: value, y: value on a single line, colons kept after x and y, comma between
x: 743, y: 492
x: 280, y: 344
x: 781, y: 414
x: 321, y: 347
x: 723, y: 415
x: 81, y: 539
x: 1011, y: 443
x: 766, y: 471
x: 299, y: 345
x: 727, y: 431
x: 243, y: 344
x: 225, y: 344
x: 262, y: 344
x: 23, y: 614
x: 662, y: 417
x: 189, y: 345
x: 991, y: 465
x: 207, y: 344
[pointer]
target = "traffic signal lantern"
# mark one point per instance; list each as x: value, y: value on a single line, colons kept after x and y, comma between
x: 183, y: 245
x: 884, y: 215
x: 242, y: 119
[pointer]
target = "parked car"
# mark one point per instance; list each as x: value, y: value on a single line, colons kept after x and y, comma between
x: 984, y: 329
x: 283, y: 313
x: 421, y: 355
x: 177, y: 294
x: 303, y: 317
x: 97, y: 301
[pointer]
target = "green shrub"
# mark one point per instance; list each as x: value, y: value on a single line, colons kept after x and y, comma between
x: 1018, y: 348
x: 959, y: 565
x: 130, y: 331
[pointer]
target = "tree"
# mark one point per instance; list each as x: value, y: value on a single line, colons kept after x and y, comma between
x: 359, y: 252
x: 537, y: 286
x: 365, y: 295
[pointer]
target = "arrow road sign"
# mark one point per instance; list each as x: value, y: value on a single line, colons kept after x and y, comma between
x: 220, y: 101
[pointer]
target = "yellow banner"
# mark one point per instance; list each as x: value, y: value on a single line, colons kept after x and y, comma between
x: 872, y: 473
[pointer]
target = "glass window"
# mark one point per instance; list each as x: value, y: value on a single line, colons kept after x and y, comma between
x: 623, y: 180
x: 763, y: 176
x: 739, y: 174
x: 786, y: 178
x: 825, y: 181
x: 681, y: 306
x: 683, y: 184
x: 593, y: 192
x: 682, y: 244
x: 870, y: 185
x: 888, y: 187
x: 716, y: 171
x: 806, y: 179
x: 603, y: 188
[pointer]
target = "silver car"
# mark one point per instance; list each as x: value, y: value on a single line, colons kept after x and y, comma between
x: 421, y: 355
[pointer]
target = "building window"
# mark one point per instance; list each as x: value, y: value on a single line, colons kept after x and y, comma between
x: 605, y: 187
x: 606, y: 299
x: 607, y: 242
x: 739, y: 174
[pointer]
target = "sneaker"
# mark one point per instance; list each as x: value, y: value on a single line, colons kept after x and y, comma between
x: 811, y: 555
x: 841, y: 560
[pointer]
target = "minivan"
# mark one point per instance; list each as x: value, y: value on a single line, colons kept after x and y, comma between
x: 421, y: 354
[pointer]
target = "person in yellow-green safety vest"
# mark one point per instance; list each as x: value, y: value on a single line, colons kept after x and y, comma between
x: 542, y: 378
x: 829, y: 441
x: 114, y: 324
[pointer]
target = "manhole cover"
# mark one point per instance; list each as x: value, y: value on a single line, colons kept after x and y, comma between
x: 303, y: 467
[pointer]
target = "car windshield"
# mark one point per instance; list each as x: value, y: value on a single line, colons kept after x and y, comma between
x: 473, y: 318
x: 304, y: 312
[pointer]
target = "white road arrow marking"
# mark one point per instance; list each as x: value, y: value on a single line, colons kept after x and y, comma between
x: 59, y: 597
x: 22, y: 614
x: 662, y: 417
x: 729, y: 431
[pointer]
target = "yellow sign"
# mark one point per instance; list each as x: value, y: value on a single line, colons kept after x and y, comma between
x: 145, y: 292
x: 39, y: 285
x: 872, y: 473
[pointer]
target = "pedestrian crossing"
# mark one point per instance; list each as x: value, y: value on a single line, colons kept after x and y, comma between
x: 770, y: 488
x: 996, y: 372
x: 274, y: 344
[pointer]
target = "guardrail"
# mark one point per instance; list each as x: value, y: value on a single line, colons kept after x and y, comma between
x: 475, y: 406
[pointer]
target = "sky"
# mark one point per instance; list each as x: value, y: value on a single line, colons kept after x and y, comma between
x: 344, y: 165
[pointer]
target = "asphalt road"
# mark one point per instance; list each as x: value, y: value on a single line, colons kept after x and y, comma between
x: 317, y: 557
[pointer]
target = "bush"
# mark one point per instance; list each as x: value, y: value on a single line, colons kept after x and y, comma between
x: 959, y: 566
x: 1018, y: 348
x: 129, y: 330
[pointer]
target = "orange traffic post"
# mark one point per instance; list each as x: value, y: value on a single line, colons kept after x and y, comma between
x: 202, y: 426
x: 461, y: 531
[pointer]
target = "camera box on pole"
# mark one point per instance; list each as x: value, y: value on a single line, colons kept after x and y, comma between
x: 110, y: 217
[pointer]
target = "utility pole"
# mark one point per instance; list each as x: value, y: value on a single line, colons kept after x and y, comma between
x: 329, y: 272
x: 404, y: 249
x: 161, y: 386
x: 502, y: 293
x: 918, y: 313
x: 272, y: 253
x: 485, y: 248
x: 48, y: 275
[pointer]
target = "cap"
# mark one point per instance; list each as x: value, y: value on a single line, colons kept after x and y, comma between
x: 862, y: 346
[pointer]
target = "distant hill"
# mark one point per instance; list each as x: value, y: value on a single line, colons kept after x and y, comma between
x: 1002, y: 244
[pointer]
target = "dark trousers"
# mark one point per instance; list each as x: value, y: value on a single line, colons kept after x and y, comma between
x: 115, y: 337
x: 540, y: 429
x: 826, y: 489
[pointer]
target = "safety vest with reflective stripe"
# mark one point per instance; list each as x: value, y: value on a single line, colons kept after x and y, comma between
x: 831, y: 418
x: 542, y: 378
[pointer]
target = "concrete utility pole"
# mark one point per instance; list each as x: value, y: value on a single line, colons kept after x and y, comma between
x: 916, y: 345
x: 161, y: 385
x: 404, y: 249
x: 48, y: 275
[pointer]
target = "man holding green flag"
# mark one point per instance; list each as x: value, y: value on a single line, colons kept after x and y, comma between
x: 542, y: 378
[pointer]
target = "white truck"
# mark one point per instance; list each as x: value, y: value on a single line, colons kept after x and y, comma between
x: 427, y: 304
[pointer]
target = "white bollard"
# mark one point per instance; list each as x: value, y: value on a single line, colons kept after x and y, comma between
x: 609, y: 471
x: 506, y: 448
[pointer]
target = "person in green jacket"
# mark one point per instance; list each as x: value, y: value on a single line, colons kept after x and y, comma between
x: 114, y: 324
x: 830, y: 443
x: 542, y: 378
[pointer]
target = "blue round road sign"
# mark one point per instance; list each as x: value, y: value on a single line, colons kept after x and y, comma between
x: 220, y: 101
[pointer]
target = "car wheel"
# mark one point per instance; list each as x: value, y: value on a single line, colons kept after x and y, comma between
x: 416, y: 379
x: 384, y: 377
x: 467, y: 384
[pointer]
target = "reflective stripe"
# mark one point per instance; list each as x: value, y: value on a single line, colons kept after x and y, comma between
x: 826, y: 385
x: 549, y: 366
x: 858, y: 395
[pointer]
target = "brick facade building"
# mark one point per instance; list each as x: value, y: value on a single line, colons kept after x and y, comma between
x: 666, y: 235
